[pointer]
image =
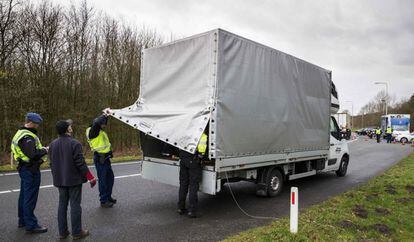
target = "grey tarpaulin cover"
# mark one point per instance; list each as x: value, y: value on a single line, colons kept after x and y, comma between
x: 258, y: 100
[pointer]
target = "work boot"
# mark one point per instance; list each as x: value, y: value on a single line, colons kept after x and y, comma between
x: 107, y: 204
x: 112, y: 200
x: 64, y: 235
x: 192, y: 214
x: 84, y: 233
x: 38, y: 230
x: 182, y: 211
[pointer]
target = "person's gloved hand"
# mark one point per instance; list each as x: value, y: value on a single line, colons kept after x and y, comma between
x: 107, y: 111
x: 91, y: 178
x: 111, y: 155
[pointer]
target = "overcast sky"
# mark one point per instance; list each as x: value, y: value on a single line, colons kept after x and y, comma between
x: 360, y: 41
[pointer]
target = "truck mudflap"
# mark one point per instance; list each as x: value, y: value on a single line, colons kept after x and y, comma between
x: 168, y: 173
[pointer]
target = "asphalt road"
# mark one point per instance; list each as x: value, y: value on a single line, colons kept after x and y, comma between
x: 146, y: 211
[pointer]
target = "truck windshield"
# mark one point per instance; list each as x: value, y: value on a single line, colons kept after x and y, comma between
x: 400, y: 127
x: 334, y: 125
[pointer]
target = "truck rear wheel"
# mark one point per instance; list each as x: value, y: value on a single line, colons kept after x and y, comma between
x: 343, y: 167
x: 274, y: 183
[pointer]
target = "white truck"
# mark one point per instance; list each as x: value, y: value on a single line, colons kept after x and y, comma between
x: 343, y: 119
x: 267, y: 114
x: 399, y: 123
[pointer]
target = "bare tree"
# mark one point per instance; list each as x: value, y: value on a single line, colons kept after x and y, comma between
x: 67, y: 63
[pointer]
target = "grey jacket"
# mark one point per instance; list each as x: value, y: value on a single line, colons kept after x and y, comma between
x: 67, y: 162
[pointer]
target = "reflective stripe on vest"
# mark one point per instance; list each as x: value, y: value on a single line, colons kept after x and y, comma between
x: 202, y: 145
x: 389, y: 131
x: 100, y: 143
x: 15, y: 148
x: 378, y: 131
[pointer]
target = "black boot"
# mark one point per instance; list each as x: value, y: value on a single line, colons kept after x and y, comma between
x: 112, y: 200
x: 192, y: 214
x: 37, y: 230
x: 182, y: 211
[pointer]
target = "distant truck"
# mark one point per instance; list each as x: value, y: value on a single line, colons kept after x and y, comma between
x: 343, y: 119
x: 267, y: 114
x: 399, y: 123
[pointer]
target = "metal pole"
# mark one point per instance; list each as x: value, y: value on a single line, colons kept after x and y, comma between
x: 363, y: 113
x: 352, y: 117
x: 386, y: 99
x: 352, y: 113
x: 386, y: 93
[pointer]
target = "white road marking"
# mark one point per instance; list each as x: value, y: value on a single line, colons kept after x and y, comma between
x: 352, y: 141
x: 49, y: 186
x: 91, y: 166
x: 118, y: 177
x: 10, y: 174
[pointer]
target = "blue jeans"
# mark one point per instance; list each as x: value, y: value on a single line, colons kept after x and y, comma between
x: 72, y: 195
x: 105, y: 178
x: 29, y: 191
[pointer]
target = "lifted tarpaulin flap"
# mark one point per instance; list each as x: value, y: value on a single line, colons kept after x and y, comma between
x: 175, y: 92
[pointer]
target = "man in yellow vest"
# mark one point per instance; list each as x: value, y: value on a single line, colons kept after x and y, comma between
x: 102, y: 153
x: 378, y: 134
x: 190, y: 177
x: 388, y: 132
x: 28, y: 152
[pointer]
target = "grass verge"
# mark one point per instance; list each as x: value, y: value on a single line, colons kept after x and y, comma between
x: 380, y: 210
x: 45, y: 165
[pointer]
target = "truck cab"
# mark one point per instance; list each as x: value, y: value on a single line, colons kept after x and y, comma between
x: 338, y: 159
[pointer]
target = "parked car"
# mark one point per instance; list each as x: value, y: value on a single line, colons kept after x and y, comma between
x: 365, y: 131
x: 405, y: 138
x: 360, y: 131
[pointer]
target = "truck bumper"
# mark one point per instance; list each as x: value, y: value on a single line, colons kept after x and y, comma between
x: 168, y: 173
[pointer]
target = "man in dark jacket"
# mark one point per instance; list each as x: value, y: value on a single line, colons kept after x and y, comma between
x: 102, y: 153
x: 69, y: 171
x: 190, y: 177
x: 28, y: 152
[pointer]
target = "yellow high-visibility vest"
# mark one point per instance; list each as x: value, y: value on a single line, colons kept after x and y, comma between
x: 15, y: 148
x: 100, y: 143
x: 377, y: 131
x: 389, y: 131
x: 202, y: 145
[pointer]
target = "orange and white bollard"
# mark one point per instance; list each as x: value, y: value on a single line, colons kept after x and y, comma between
x: 294, y: 209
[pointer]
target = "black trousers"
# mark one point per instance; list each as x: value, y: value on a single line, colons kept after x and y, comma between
x: 389, y: 138
x: 190, y: 177
x: 72, y: 195
x: 378, y: 138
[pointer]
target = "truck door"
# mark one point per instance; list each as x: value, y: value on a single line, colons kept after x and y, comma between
x: 336, y: 142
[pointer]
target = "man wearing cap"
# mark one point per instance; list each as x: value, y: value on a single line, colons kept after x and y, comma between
x: 99, y: 142
x: 69, y: 172
x: 28, y: 152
